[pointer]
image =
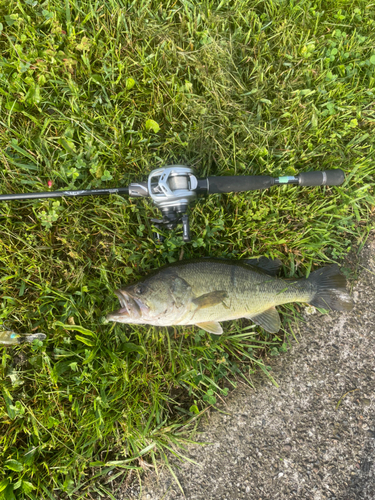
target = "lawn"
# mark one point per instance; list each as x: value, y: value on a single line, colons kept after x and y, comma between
x: 97, y: 94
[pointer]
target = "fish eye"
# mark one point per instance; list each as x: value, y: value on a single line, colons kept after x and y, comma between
x: 139, y: 289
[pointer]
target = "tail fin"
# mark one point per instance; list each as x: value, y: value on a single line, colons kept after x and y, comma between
x: 330, y: 286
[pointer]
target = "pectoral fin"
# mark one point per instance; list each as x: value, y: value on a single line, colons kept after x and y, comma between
x: 269, y: 320
x: 210, y: 299
x: 211, y: 327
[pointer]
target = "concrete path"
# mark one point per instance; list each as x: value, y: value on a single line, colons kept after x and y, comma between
x: 312, y: 438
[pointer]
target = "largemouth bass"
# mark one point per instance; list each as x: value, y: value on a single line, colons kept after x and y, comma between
x: 204, y: 292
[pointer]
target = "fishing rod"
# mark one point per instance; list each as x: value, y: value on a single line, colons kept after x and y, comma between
x: 174, y: 187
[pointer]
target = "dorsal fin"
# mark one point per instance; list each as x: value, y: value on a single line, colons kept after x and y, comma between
x: 269, y: 266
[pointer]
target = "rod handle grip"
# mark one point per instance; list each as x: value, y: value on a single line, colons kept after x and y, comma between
x: 325, y: 178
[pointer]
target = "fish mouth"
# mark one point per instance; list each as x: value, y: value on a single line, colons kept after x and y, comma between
x: 123, y: 297
x: 131, y: 307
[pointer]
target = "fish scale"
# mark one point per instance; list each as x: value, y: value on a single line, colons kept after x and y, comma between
x: 249, y: 290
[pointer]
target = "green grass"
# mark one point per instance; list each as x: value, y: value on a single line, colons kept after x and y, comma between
x: 235, y: 87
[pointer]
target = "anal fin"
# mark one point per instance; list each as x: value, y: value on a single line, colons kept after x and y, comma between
x: 211, y: 327
x: 269, y: 320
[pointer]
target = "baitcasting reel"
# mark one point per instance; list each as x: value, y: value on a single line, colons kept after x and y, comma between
x: 174, y: 187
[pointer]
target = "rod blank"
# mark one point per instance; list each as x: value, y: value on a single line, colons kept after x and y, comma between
x: 63, y: 194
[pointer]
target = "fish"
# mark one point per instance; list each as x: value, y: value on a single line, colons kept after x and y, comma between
x: 205, y: 292
x: 9, y: 338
